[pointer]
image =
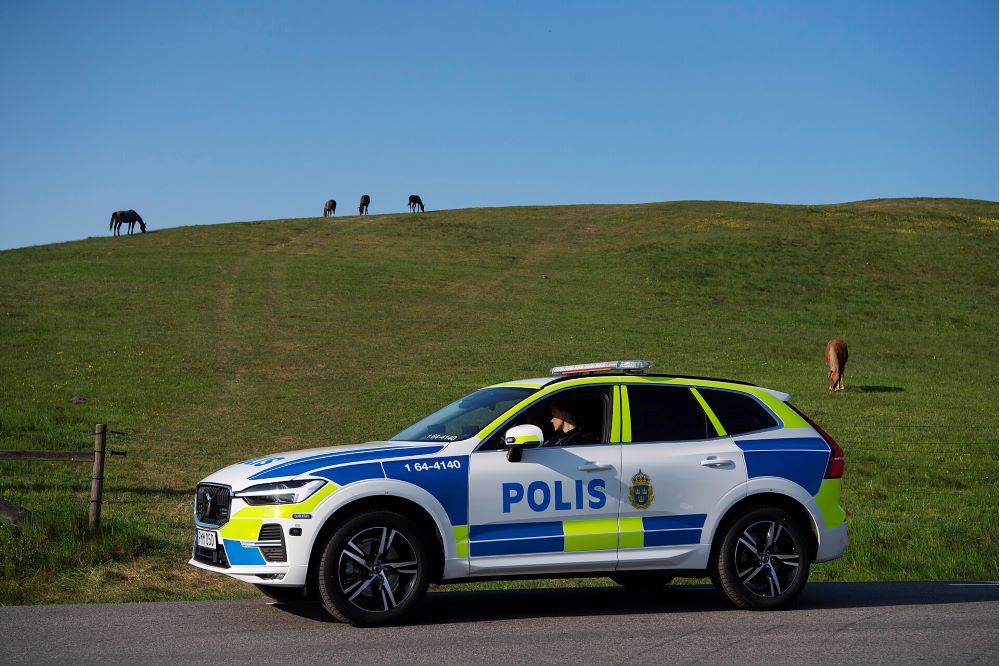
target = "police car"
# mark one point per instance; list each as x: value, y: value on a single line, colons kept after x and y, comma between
x: 600, y: 469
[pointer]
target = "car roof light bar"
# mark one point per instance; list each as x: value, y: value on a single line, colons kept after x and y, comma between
x: 631, y: 367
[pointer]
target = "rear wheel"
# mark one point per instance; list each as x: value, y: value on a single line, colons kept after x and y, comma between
x: 375, y: 568
x: 763, y: 560
x: 640, y: 581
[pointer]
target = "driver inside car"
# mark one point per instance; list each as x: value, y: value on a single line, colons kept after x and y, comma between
x: 568, y: 426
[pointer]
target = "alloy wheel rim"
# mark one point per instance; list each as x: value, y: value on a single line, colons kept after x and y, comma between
x: 766, y: 558
x: 377, y: 569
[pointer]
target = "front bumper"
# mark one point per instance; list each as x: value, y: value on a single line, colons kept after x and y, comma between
x: 279, y: 576
x: 267, y: 551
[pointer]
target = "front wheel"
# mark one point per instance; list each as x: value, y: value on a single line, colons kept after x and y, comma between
x: 375, y: 568
x: 763, y: 560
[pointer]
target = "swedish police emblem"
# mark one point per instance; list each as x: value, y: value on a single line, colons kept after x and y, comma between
x: 640, y: 493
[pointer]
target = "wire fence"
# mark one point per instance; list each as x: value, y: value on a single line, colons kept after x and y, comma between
x: 19, y: 515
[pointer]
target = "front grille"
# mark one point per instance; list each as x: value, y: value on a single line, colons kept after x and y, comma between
x: 274, y: 553
x: 211, y: 504
x: 214, y: 556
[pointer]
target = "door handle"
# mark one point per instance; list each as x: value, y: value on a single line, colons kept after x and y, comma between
x: 594, y: 467
x: 713, y: 461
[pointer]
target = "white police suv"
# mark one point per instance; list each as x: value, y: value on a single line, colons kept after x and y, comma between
x: 598, y: 470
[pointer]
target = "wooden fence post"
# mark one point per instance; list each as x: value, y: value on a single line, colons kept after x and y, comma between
x: 97, y: 477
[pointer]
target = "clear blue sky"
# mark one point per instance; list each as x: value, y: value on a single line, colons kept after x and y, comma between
x: 205, y: 112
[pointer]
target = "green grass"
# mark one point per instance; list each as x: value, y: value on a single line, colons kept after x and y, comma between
x: 209, y: 345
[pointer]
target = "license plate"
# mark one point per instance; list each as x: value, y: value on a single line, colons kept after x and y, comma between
x: 206, y: 539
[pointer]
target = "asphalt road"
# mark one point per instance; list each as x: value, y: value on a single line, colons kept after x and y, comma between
x: 830, y: 623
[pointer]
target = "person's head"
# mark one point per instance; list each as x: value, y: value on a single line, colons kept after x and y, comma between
x: 562, y: 419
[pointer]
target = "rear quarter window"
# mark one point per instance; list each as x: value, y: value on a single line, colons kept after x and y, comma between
x: 737, y: 412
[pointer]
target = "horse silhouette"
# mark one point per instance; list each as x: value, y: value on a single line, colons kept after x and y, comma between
x: 129, y: 217
x: 363, y: 206
x: 330, y: 207
x: 414, y: 202
x: 836, y: 360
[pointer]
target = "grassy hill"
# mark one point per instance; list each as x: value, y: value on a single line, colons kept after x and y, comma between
x: 209, y: 345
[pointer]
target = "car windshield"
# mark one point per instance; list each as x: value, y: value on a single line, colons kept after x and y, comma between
x: 465, y: 417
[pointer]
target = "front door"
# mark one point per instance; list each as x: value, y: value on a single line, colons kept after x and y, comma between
x: 557, y: 508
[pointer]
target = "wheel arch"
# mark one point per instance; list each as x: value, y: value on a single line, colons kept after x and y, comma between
x: 785, y: 502
x: 406, y: 507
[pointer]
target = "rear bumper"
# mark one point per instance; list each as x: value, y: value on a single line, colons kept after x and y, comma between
x: 832, y: 543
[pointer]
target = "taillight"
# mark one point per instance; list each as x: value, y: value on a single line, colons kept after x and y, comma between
x: 834, y: 468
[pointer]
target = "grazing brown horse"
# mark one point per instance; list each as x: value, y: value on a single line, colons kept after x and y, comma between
x: 330, y: 208
x: 129, y: 217
x: 363, y: 206
x: 414, y: 202
x: 836, y: 360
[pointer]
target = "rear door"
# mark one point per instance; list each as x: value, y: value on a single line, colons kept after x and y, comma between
x: 679, y: 470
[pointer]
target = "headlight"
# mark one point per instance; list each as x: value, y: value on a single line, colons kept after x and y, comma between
x: 283, y: 492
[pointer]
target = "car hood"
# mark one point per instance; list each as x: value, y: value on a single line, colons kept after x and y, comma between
x: 292, y: 464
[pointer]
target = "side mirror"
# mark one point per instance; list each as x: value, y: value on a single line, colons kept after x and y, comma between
x: 522, y: 437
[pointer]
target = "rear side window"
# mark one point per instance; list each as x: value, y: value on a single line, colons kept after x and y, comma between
x: 666, y: 414
x: 737, y: 412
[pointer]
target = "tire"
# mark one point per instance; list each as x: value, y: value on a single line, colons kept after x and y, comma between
x: 763, y: 560
x: 285, y: 595
x: 641, y: 581
x: 374, y: 569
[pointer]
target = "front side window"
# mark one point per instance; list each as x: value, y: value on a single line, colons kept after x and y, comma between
x: 667, y: 414
x: 567, y: 418
x: 464, y: 417
x: 737, y: 412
